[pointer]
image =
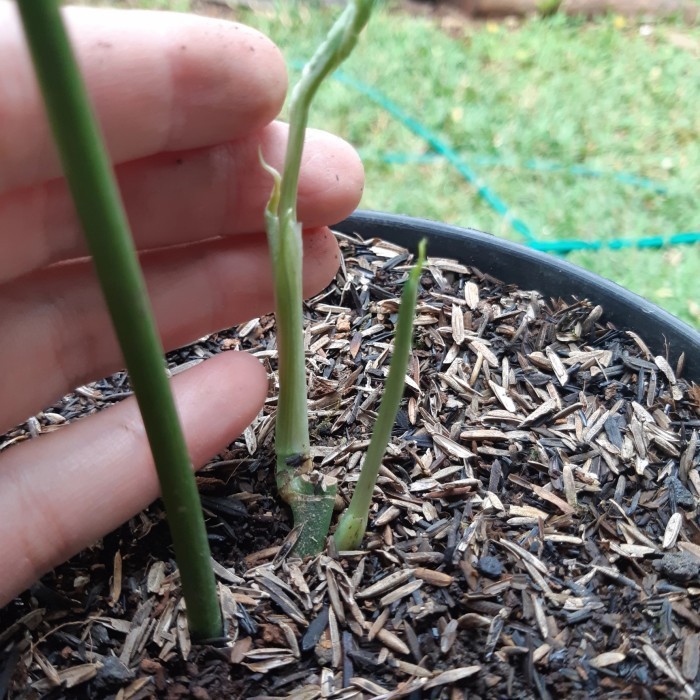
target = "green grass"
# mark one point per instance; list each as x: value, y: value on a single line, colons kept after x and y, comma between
x: 602, y: 95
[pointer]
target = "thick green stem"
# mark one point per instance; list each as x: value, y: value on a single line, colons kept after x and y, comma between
x: 285, y: 240
x: 311, y: 496
x: 292, y: 426
x: 93, y: 187
x: 353, y: 523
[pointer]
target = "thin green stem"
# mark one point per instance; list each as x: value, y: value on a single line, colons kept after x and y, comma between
x: 353, y: 523
x: 330, y: 54
x: 93, y: 187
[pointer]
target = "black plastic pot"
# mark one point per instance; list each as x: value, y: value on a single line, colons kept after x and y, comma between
x: 529, y: 269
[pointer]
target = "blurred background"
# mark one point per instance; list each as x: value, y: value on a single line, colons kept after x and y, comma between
x: 569, y: 125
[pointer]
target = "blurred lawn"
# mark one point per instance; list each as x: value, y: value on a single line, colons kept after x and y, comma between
x: 512, y: 100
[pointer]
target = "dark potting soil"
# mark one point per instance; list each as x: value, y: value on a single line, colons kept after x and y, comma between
x: 534, y: 530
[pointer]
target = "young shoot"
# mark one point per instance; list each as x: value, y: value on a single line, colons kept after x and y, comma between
x: 353, y: 523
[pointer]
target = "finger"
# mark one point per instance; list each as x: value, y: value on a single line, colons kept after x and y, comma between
x: 159, y: 81
x: 103, y: 463
x: 57, y: 334
x: 184, y: 197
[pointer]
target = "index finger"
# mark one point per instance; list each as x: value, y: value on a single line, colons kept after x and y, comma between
x: 159, y: 81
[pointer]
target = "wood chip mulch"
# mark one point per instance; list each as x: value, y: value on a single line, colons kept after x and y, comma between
x: 535, y: 527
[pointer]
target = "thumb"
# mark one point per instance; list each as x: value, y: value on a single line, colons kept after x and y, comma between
x: 63, y: 490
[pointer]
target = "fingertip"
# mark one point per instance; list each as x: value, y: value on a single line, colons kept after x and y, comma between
x: 158, y: 81
x: 235, y: 95
x: 218, y: 404
x: 248, y: 378
x: 104, y: 464
x: 333, y: 176
x: 321, y: 259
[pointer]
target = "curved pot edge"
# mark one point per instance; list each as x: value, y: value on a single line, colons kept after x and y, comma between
x: 530, y: 269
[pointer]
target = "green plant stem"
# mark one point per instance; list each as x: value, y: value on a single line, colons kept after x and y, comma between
x: 93, y: 187
x: 330, y: 54
x: 292, y: 425
x: 311, y: 501
x: 353, y: 523
x: 286, y: 249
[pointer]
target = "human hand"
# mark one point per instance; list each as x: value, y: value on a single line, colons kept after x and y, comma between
x: 184, y: 103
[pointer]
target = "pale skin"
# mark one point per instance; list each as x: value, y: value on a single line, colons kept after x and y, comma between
x: 185, y: 103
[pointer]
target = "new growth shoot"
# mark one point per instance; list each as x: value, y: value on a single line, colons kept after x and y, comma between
x: 353, y: 523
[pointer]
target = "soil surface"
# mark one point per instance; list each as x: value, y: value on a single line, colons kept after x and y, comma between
x: 534, y: 531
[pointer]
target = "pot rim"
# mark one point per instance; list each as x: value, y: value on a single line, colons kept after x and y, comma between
x: 664, y: 333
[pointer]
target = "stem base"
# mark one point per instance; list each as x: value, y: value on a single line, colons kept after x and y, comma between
x: 312, y: 499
